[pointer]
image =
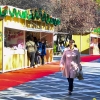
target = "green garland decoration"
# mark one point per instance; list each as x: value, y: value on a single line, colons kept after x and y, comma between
x: 54, y: 21
x: 97, y: 30
x: 4, y: 12
x: 24, y: 14
x: 44, y: 15
x: 20, y: 13
x: 38, y: 14
x: 15, y: 13
x: 33, y: 17
x: 11, y: 13
x: 51, y: 20
x: 48, y: 19
x: 0, y: 12
x: 30, y: 16
x: 58, y: 22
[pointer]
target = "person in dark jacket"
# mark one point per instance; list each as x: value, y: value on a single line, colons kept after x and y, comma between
x: 43, y: 52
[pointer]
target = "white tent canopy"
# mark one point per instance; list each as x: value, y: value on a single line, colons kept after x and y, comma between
x: 94, y: 35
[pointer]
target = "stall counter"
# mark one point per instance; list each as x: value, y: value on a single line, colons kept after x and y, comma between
x: 13, y: 59
x: 18, y: 59
x: 49, y: 55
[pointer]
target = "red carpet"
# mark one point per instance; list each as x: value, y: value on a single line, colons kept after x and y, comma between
x: 15, y: 78
x: 89, y: 58
x: 11, y: 79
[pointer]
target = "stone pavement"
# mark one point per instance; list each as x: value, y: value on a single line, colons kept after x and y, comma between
x: 54, y: 87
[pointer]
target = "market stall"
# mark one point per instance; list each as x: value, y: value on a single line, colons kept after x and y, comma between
x: 15, y: 25
x: 87, y: 43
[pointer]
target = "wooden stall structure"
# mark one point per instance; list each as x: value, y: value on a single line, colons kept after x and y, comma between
x: 83, y: 42
x: 87, y: 43
x: 15, y: 25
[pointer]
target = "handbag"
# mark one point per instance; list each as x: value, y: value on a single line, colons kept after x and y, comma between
x: 80, y: 75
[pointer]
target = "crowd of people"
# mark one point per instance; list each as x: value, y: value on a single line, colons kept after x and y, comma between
x: 36, y: 50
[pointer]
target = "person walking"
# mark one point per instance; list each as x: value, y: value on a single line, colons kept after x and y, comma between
x: 39, y: 51
x: 43, y: 53
x: 70, y: 63
x: 31, y: 49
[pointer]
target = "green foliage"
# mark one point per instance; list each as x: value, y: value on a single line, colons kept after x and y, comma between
x: 98, y: 1
x: 54, y: 48
x: 44, y: 16
x: 3, y: 13
x: 36, y: 14
x: 48, y: 19
x: 10, y: 13
x: 51, y: 20
x: 25, y: 15
x: 15, y: 12
x: 29, y: 17
x: 97, y: 30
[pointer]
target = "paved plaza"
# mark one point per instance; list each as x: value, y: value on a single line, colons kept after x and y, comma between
x: 54, y: 87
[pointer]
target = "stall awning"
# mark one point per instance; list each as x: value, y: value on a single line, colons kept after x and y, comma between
x: 61, y: 33
x: 95, y: 35
x: 31, y: 29
x: 37, y: 30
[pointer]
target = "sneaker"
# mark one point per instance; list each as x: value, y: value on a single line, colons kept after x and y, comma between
x: 36, y: 66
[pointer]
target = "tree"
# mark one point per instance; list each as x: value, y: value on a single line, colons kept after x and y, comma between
x: 28, y: 4
x: 77, y: 15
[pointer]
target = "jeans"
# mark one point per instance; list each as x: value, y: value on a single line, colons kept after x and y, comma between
x: 37, y: 58
x: 42, y: 59
x: 32, y: 58
x: 70, y: 81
